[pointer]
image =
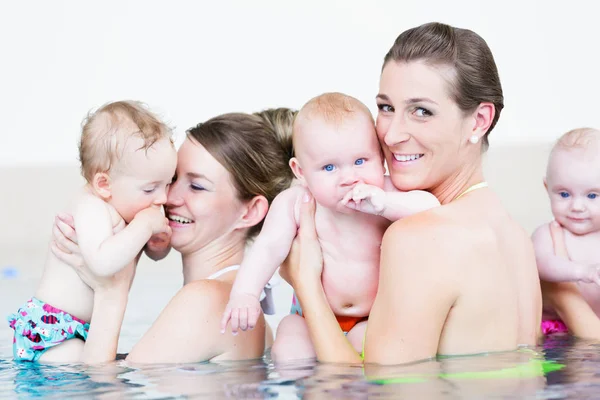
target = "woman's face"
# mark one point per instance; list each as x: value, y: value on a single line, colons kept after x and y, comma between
x: 422, y: 131
x: 202, y: 205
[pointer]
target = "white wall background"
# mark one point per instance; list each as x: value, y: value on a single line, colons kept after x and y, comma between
x: 191, y: 60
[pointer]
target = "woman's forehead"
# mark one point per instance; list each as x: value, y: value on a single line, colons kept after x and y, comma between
x: 403, y: 81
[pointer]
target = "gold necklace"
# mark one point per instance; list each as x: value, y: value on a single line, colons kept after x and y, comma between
x: 471, y: 188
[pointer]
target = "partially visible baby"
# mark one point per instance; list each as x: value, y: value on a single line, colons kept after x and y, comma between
x: 339, y: 160
x: 573, y: 185
x: 128, y: 160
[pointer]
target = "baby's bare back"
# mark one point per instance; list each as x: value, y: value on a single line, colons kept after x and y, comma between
x: 351, y: 247
x: 61, y: 287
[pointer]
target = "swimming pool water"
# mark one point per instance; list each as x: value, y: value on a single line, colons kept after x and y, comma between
x: 561, y: 367
x: 572, y: 369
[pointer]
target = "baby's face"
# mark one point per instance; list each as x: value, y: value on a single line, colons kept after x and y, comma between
x: 573, y: 184
x: 142, y: 177
x: 334, y: 158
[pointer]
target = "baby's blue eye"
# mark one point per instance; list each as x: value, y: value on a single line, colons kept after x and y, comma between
x: 148, y: 191
x: 564, y: 195
x: 329, y: 167
x: 592, y: 196
x: 360, y: 161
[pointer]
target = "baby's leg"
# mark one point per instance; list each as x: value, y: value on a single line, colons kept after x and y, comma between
x: 356, y: 336
x: 292, y: 341
x: 70, y: 351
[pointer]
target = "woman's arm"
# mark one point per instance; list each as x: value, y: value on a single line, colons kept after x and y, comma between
x: 303, y: 270
x: 188, y: 329
x: 417, y: 288
x: 110, y: 294
x: 105, y: 326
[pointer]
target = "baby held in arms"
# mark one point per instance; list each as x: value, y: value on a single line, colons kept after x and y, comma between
x: 128, y: 160
x: 339, y: 160
x: 573, y: 185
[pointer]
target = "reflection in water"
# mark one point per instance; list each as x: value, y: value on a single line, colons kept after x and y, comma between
x: 561, y: 367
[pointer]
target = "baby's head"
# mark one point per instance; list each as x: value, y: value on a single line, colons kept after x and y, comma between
x: 573, y: 180
x: 127, y: 157
x: 335, y: 147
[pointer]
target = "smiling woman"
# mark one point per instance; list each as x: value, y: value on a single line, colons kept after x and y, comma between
x: 229, y: 169
x: 456, y: 279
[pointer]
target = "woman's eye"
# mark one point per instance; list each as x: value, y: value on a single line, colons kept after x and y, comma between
x: 385, y: 107
x: 197, y: 187
x: 329, y: 167
x: 564, y: 195
x: 360, y: 161
x: 422, y: 112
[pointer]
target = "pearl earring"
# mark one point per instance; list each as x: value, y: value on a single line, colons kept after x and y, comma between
x: 474, y: 139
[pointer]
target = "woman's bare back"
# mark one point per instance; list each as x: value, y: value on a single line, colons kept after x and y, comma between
x: 499, y: 298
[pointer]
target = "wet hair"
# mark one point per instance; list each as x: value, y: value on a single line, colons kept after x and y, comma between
x: 474, y: 76
x: 105, y: 131
x: 254, y: 148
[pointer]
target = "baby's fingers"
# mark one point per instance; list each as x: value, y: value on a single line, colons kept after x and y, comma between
x: 253, y: 314
x: 225, y: 319
x: 244, y: 318
x: 235, y: 320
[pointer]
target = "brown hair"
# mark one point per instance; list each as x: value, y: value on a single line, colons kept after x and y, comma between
x: 476, y: 77
x: 104, y: 133
x: 254, y: 148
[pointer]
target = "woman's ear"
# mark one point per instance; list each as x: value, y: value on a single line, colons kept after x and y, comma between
x: 254, y: 211
x: 297, y: 170
x: 101, y: 184
x: 484, y: 115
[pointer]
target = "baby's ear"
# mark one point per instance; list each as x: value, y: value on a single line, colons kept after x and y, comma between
x: 297, y: 169
x: 102, y: 185
x: 545, y: 183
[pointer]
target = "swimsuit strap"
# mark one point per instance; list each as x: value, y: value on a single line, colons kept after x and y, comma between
x: 476, y: 186
x: 223, y: 271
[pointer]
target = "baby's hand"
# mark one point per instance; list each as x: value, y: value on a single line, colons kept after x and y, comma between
x: 155, y: 219
x: 365, y: 198
x: 243, y: 310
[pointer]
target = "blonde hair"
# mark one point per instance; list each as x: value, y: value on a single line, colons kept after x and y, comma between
x: 105, y: 132
x: 580, y: 138
x: 254, y: 148
x: 332, y: 107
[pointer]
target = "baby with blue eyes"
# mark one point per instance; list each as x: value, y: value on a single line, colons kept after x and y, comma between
x: 337, y: 159
x: 573, y: 184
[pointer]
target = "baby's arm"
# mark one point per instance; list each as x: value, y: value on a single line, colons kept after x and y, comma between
x: 553, y: 268
x: 389, y: 202
x: 106, y: 253
x: 262, y: 260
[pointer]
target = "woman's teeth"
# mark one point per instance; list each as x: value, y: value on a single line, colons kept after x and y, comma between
x: 179, y: 219
x: 407, y: 157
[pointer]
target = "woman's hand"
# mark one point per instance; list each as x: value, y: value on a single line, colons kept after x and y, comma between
x: 64, y: 246
x: 305, y: 261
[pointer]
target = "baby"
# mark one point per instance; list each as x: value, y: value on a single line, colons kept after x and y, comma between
x: 339, y: 160
x: 573, y: 185
x: 128, y: 160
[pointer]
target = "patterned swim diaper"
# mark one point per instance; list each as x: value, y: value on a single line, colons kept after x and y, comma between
x: 39, y: 326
